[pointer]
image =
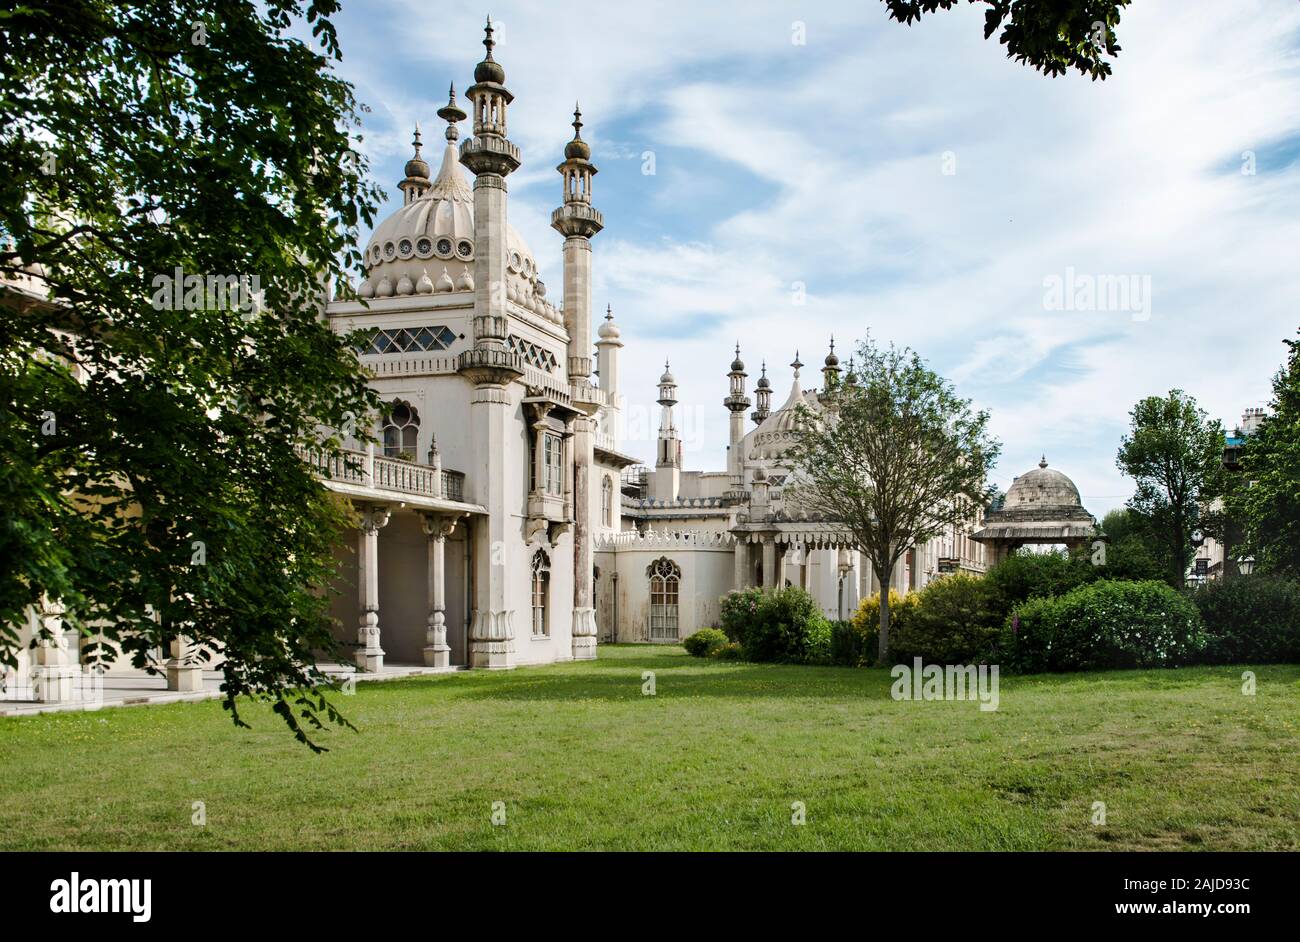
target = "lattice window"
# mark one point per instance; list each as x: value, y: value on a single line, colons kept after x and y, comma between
x: 541, y: 589
x: 401, y: 431
x: 408, y: 339
x: 534, y: 355
x: 665, y: 580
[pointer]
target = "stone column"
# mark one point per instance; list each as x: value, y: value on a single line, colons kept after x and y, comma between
x: 183, y: 669
x: 437, y: 527
x: 493, y: 369
x: 369, y: 655
x: 769, y: 563
x: 584, y: 612
x: 740, y: 579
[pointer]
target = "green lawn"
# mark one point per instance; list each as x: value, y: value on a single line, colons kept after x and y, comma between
x: 582, y: 760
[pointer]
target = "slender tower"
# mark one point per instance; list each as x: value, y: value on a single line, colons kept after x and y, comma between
x: 607, y: 348
x: 831, y: 370
x: 577, y: 220
x: 736, y: 402
x: 668, y: 459
x: 492, y: 368
x: 764, y: 393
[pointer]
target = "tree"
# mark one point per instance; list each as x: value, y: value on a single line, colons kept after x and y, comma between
x: 896, y: 457
x: 180, y: 180
x: 1175, y: 454
x: 1052, y: 36
x: 1131, y: 548
x: 1266, y: 498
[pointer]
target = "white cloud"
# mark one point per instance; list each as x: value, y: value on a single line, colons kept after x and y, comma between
x: 824, y: 164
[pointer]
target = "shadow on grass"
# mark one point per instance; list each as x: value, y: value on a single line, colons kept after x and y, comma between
x: 617, y: 675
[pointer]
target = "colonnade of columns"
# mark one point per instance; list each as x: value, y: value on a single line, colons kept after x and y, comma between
x: 437, y: 526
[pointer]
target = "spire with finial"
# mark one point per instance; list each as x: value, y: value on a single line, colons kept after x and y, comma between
x: 796, y: 364
x: 452, y: 113
x: 416, y: 183
x: 1042, y: 462
x: 577, y: 149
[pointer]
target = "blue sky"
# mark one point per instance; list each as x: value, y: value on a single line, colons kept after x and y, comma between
x: 823, y: 163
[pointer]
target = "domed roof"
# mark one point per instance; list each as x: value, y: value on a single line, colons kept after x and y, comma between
x: 609, y: 330
x: 577, y: 149
x: 776, y: 433
x: 1041, y: 488
x: 489, y: 70
x: 435, y: 232
x: 667, y: 379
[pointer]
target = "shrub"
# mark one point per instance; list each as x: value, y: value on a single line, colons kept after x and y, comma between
x: 1104, y: 625
x: 731, y: 651
x: 704, y: 642
x: 956, y: 619
x: 851, y: 644
x: 817, y: 648
x: 782, y: 627
x: 1023, y: 576
x: 739, y: 611
x: 1250, y: 619
x: 867, y: 619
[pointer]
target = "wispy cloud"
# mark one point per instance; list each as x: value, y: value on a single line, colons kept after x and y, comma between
x: 818, y: 171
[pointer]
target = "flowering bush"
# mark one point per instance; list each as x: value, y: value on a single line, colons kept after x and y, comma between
x: 787, y: 626
x: 704, y: 642
x: 739, y: 611
x: 1104, y: 625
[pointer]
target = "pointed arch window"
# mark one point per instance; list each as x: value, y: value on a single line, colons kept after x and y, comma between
x: 665, y: 582
x: 607, y: 501
x: 541, y: 591
x: 401, y: 431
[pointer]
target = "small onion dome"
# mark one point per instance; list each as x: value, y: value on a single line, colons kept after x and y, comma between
x: 831, y: 358
x: 737, y: 365
x: 444, y: 282
x: 577, y: 148
x: 425, y: 284
x: 417, y: 166
x: 667, y: 378
x: 609, y: 330
x: 763, y: 381
x: 489, y: 70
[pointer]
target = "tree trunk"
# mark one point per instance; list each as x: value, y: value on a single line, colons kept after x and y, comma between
x: 882, y: 653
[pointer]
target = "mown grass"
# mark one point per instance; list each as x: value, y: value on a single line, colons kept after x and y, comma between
x: 583, y: 760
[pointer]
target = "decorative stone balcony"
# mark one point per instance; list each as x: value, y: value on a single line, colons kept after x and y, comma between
x: 365, y: 474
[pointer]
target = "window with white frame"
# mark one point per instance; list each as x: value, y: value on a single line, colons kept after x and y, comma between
x: 665, y: 581
x: 401, y: 431
x: 553, y: 463
x: 541, y: 589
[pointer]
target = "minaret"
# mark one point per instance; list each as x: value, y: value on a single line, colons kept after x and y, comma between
x: 497, y: 552
x: 607, y: 348
x: 577, y: 220
x: 607, y: 353
x: 417, y: 181
x: 764, y: 393
x: 831, y: 371
x: 668, y: 460
x: 736, y: 402
x: 491, y: 157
